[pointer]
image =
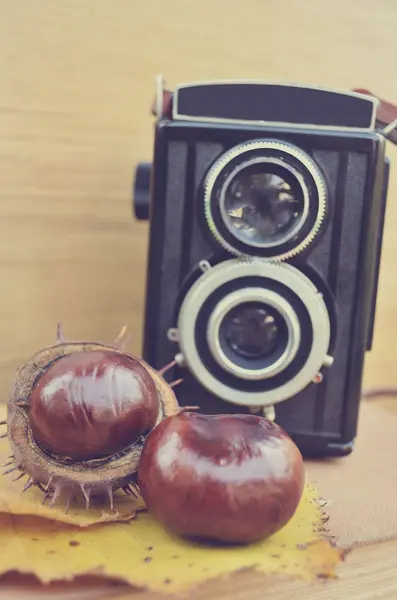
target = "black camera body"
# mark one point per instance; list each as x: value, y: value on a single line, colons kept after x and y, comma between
x: 266, y: 205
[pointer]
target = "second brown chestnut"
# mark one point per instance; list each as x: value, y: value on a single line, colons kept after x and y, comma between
x: 227, y: 478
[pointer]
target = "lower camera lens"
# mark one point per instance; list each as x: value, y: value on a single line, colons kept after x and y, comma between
x: 252, y: 331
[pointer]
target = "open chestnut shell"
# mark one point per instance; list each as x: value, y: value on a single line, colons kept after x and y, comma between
x: 78, y: 415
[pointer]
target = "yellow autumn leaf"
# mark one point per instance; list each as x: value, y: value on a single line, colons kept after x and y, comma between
x: 142, y: 553
x: 136, y: 549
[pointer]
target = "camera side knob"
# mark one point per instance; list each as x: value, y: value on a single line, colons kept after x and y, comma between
x: 141, y: 192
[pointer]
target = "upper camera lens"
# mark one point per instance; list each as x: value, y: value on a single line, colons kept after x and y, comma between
x: 265, y: 198
x: 251, y: 331
x: 262, y: 204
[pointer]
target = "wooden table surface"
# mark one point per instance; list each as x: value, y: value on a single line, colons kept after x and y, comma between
x: 76, y: 83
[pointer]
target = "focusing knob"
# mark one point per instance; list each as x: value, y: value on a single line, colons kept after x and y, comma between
x: 141, y: 199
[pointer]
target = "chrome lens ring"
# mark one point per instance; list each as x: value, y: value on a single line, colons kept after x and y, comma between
x: 300, y: 166
x: 267, y: 298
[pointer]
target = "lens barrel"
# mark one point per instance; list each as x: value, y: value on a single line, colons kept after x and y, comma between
x: 254, y: 332
x: 265, y: 198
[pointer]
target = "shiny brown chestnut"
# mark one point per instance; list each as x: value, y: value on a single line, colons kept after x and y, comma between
x: 92, y: 404
x: 78, y: 415
x: 225, y: 478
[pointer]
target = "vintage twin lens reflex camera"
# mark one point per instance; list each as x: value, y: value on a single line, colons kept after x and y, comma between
x: 266, y: 205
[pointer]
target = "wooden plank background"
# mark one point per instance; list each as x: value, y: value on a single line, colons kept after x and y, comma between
x: 76, y: 83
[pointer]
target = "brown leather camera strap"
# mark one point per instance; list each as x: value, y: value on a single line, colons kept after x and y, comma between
x: 167, y: 105
x: 386, y: 115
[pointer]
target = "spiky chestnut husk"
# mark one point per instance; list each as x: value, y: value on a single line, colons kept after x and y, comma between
x: 58, y: 474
